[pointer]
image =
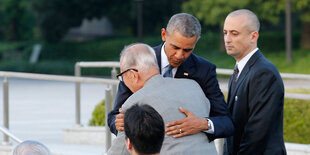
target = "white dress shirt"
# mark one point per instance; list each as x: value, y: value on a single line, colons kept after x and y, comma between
x: 244, y: 60
x: 165, y: 62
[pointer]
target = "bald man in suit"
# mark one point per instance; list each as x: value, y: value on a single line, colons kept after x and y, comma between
x: 256, y: 91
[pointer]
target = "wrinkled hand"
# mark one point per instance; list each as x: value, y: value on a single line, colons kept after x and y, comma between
x: 187, y: 126
x: 119, y: 121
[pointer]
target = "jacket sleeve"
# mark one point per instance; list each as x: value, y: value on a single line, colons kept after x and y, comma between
x: 266, y: 93
x: 122, y: 94
x: 219, y: 114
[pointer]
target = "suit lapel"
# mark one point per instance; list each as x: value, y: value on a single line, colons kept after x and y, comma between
x: 157, y: 50
x: 242, y: 76
x: 229, y: 89
x: 186, y: 69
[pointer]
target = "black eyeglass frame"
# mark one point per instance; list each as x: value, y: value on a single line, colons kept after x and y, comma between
x: 120, y: 75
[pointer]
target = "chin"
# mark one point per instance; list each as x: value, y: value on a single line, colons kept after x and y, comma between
x: 231, y: 53
x: 176, y: 64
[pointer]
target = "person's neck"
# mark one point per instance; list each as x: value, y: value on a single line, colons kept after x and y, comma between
x: 245, y: 54
x: 134, y: 152
x: 150, y: 75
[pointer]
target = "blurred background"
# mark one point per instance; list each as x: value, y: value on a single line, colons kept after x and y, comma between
x: 50, y: 36
x: 97, y: 30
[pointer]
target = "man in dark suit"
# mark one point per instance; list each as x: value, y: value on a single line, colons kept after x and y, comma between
x: 256, y: 91
x: 175, y: 59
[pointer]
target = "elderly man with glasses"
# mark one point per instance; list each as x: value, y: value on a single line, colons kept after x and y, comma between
x: 140, y: 74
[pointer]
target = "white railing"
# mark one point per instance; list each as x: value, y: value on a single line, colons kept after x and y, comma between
x: 291, y: 76
x: 78, y: 73
x: 6, y: 75
x: 297, y: 149
x: 220, y: 71
x: 283, y: 75
x: 5, y: 131
x: 111, y: 82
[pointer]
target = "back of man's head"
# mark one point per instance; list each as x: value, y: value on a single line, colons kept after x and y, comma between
x: 186, y: 24
x: 140, y: 56
x: 31, y: 148
x: 145, y: 129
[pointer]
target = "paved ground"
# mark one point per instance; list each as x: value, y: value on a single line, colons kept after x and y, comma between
x: 39, y: 110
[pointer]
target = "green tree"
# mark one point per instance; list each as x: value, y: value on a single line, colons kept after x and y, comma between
x: 213, y: 12
x: 55, y: 17
x: 17, y: 20
x: 303, y: 7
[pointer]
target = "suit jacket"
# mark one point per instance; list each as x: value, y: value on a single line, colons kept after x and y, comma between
x: 204, y: 73
x: 166, y: 95
x: 256, y: 105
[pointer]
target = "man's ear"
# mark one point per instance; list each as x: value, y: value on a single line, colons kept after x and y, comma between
x: 128, y: 144
x: 163, y: 34
x: 134, y: 76
x: 254, y: 36
x: 198, y: 37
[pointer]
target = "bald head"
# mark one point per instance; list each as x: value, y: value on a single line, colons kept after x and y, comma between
x: 139, y: 56
x: 30, y: 147
x: 252, y: 19
x: 240, y: 33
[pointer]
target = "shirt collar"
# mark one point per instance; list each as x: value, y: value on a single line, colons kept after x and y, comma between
x: 164, y: 59
x: 244, y: 60
x: 165, y: 62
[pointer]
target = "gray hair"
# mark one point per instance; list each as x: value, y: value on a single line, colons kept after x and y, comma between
x: 253, y: 19
x: 186, y: 24
x: 140, y: 56
x: 31, y: 148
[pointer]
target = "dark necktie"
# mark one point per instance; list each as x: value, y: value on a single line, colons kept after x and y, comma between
x: 168, y: 73
x: 235, y: 78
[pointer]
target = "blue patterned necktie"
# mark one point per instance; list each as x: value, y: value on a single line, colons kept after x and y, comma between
x: 168, y: 73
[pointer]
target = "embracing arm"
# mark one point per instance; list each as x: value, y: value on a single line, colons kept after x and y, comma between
x: 122, y: 94
x: 219, y: 113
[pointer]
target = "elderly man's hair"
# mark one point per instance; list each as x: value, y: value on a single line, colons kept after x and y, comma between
x: 140, y: 56
x: 186, y: 24
x: 30, y: 147
x: 253, y: 19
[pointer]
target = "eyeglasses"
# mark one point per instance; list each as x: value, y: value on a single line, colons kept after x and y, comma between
x: 120, y: 75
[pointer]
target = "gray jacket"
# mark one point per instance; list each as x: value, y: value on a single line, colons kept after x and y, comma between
x: 166, y: 95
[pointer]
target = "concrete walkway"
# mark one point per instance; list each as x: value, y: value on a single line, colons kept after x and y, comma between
x: 40, y: 110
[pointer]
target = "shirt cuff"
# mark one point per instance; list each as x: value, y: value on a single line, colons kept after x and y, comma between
x: 210, y: 131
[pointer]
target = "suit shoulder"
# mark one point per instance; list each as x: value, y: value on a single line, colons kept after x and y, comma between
x: 158, y: 47
x: 185, y: 82
x: 132, y: 100
x: 264, y: 65
x: 202, y: 66
x: 201, y: 61
x: 264, y: 70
